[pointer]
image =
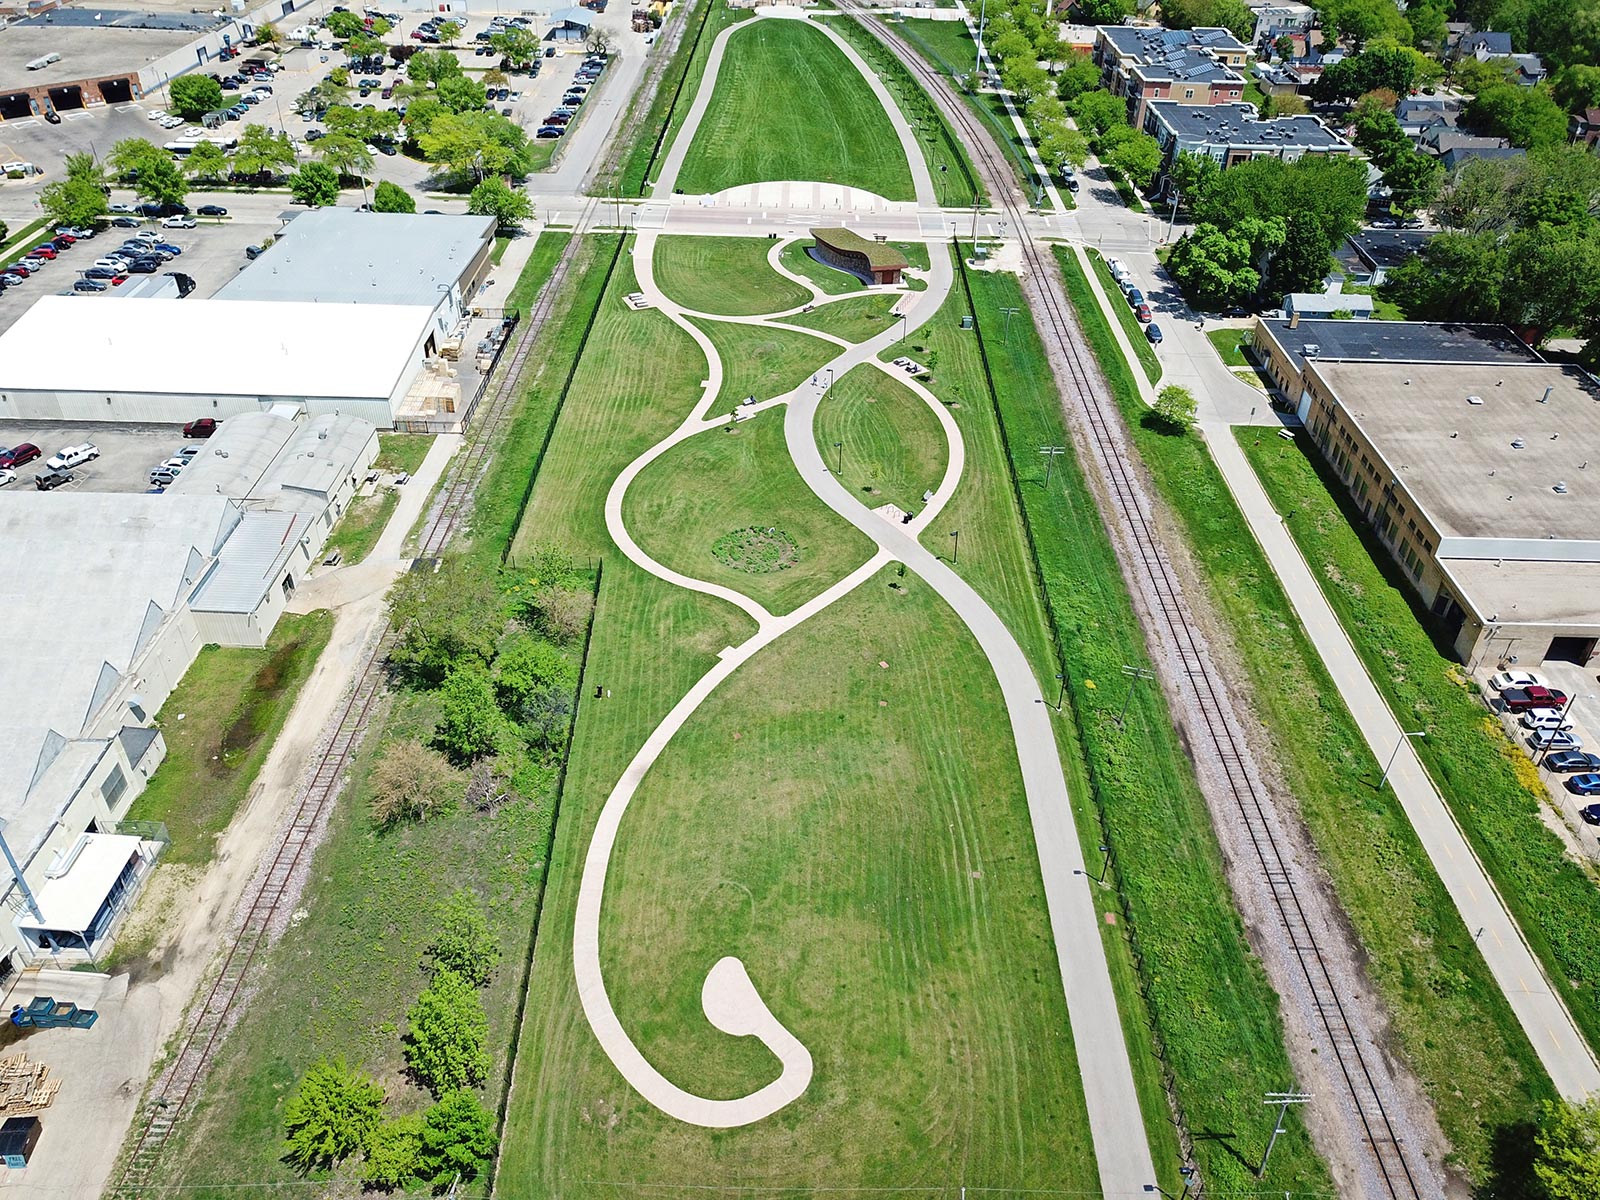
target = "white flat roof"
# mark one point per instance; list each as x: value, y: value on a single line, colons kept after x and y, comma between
x: 211, y: 347
x: 70, y: 901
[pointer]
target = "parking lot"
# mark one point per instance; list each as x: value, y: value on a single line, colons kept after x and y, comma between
x: 128, y: 453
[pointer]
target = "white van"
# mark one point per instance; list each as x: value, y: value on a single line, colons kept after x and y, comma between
x: 18, y: 170
x: 43, y: 61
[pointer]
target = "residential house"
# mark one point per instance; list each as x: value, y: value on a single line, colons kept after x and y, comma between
x: 1275, y: 18
x: 1187, y: 66
x: 1325, y: 305
x: 1584, y: 127
x: 1368, y: 255
x: 1420, y: 114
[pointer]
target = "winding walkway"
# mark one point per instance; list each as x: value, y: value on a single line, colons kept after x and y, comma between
x: 729, y: 996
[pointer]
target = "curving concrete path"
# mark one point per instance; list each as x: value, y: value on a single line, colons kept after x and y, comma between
x: 729, y: 996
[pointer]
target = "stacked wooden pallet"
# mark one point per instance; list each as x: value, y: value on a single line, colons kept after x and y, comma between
x: 25, y: 1087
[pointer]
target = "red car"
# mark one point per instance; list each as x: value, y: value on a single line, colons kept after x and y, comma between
x: 44, y: 251
x: 1143, y: 313
x: 1522, y: 699
x: 203, y: 428
x: 118, y: 280
x: 18, y: 455
x: 18, y: 269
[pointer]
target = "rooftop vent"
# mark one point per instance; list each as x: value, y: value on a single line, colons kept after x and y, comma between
x: 1545, y: 399
x: 1517, y: 443
x: 1311, y: 349
x: 1470, y: 399
x: 1560, y: 488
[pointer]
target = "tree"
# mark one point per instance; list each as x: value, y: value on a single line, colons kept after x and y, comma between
x: 1138, y: 157
x: 445, y: 1035
x: 73, y: 202
x: 464, y: 943
x: 411, y: 783
x: 343, y: 25
x: 1193, y: 176
x: 84, y: 166
x: 1306, y: 253
x: 470, y: 724
x: 364, y: 45
x: 206, y: 161
x: 1392, y: 67
x: 495, y: 77
x: 392, y: 198
x: 363, y: 124
x: 379, y: 27
x: 1552, y: 280
x: 1175, y: 407
x: 1362, y: 21
x: 392, y: 1150
x: 330, y: 1116
x: 1098, y: 111
x: 195, y: 95
x: 481, y: 142
x: 1231, y: 15
x: 1079, y: 75
x: 1283, y: 47
x: 267, y: 34
x: 449, y: 31
x: 131, y: 156
x: 507, y: 205
x: 315, y: 184
x: 1524, y: 116
x: 1427, y: 19
x: 1060, y: 145
x: 262, y: 152
x: 460, y: 94
x: 430, y: 66
x: 457, y: 1139
x: 1413, y: 180
x: 1566, y: 1158
x: 1458, y: 277
x: 346, y: 155
x: 1103, y: 12
x: 1216, y: 268
x: 1026, y: 80
x: 1289, y: 104
x: 517, y: 45
x: 443, y: 619
x: 1576, y: 87
x: 161, y: 182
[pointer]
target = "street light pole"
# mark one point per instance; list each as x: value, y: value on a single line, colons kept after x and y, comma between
x: 1062, y: 694
x: 1393, y: 754
x: 1105, y: 863
x: 955, y: 555
x: 983, y: 17
x: 1173, y: 219
x: 838, y: 452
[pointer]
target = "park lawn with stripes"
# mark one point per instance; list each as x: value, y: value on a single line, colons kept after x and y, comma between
x: 814, y: 819
x: 726, y: 276
x: 742, y: 480
x: 788, y: 105
x: 855, y: 320
x: 760, y: 361
x: 830, y: 279
x: 881, y: 440
x: 1421, y: 957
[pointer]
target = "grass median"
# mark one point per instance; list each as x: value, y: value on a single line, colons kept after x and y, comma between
x: 1420, y: 955
x: 1125, y: 316
x: 724, y: 276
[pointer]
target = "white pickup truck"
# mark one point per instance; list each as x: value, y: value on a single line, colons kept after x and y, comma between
x: 74, y: 456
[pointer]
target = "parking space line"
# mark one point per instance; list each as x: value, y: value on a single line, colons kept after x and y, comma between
x: 25, y: 123
x: 80, y: 115
x: 130, y: 108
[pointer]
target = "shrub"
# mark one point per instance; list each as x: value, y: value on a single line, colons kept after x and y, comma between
x: 464, y: 944
x: 563, y: 612
x: 470, y: 722
x: 331, y: 1116
x: 443, y: 619
x: 1175, y: 407
x: 457, y: 1139
x: 392, y: 1151
x: 411, y: 783
x: 445, y: 1044
x: 527, y: 667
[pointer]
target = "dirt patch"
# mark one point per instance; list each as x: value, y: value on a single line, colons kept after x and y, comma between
x: 756, y: 551
x: 248, y: 725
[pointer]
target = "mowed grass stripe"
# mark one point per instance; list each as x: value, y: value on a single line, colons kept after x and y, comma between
x: 855, y: 320
x: 760, y: 361
x: 891, y: 447
x: 729, y: 276
x: 732, y: 478
x: 788, y: 105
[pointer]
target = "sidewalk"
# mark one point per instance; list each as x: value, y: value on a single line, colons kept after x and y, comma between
x: 1544, y: 1018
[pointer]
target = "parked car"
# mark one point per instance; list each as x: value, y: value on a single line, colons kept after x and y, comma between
x: 21, y: 268
x: 1152, y: 333
x: 18, y: 455
x: 34, y: 263
x: 1554, y: 739
x: 48, y: 250
x: 9, y: 279
x: 53, y: 480
x: 1590, y: 814
x: 179, y: 222
x: 1587, y: 784
x: 1572, y: 760
x: 1544, y: 718
x: 202, y: 428
x: 163, y: 475
x: 88, y: 285
x: 1135, y: 297
x: 1519, y: 699
x: 1516, y: 679
x: 120, y: 208
x: 7, y: 476
x: 549, y: 131
x: 73, y: 456
x: 1143, y: 314
x: 125, y: 222
x: 98, y: 272
x: 211, y: 210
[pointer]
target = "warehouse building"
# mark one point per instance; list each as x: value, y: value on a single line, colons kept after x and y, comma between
x: 172, y: 361
x: 1477, y: 478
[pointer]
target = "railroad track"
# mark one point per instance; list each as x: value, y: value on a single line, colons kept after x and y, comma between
x: 263, y: 904
x: 1217, y: 732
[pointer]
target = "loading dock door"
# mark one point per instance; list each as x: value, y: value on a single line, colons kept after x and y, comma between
x: 1571, y: 649
x: 18, y: 104
x: 65, y: 99
x: 116, y: 91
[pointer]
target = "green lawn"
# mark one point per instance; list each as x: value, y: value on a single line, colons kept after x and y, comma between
x: 1130, y: 323
x: 540, y: 266
x: 1203, y: 993
x: 818, y: 118
x: 1231, y: 344
x: 892, y: 450
x: 362, y: 525
x: 855, y: 320
x: 499, y: 251
x: 744, y: 479
x: 1486, y: 781
x: 761, y: 362
x: 883, y: 892
x: 219, y: 724
x: 1421, y: 957
x: 955, y: 180
x: 835, y: 283
x: 728, y: 276
x: 403, y: 452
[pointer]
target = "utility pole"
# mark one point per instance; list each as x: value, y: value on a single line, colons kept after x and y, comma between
x: 1395, y: 753
x: 1134, y: 674
x: 1050, y: 453
x: 1005, y: 338
x: 1283, y: 1100
x: 1173, y: 219
x: 983, y: 17
x: 974, y: 238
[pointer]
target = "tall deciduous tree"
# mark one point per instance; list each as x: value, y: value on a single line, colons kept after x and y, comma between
x: 206, y: 161
x: 315, y: 184
x: 261, y: 151
x: 457, y: 1139
x: 161, y: 182
x: 392, y: 198
x: 445, y: 1035
x: 1567, y: 1150
x: 464, y: 943
x: 194, y: 95
x: 470, y: 723
x: 73, y: 202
